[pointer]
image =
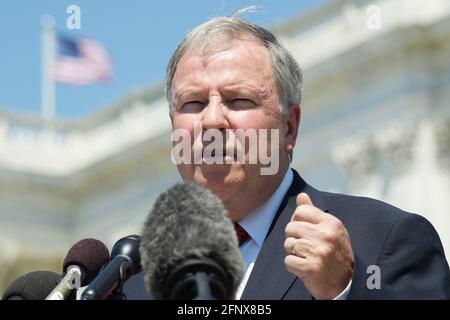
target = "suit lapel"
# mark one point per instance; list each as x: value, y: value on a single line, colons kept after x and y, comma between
x: 270, y: 278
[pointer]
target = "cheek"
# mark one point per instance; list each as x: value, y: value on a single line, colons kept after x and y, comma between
x: 254, y: 120
x: 184, y: 122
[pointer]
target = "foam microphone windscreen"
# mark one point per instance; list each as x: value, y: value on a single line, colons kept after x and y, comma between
x: 35, y: 285
x: 188, y: 221
x: 90, y: 255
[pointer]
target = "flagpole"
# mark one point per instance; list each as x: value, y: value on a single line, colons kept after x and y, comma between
x: 48, y: 53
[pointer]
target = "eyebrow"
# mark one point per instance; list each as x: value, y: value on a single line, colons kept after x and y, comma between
x: 245, y: 89
x: 239, y: 88
x: 232, y: 89
x: 189, y: 91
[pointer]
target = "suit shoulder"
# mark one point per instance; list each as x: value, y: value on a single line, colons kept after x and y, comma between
x: 377, y: 213
x: 367, y: 208
x: 369, y: 221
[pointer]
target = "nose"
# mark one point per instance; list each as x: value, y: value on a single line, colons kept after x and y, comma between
x: 215, y: 117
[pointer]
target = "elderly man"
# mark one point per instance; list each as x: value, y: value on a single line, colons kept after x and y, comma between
x: 297, y: 242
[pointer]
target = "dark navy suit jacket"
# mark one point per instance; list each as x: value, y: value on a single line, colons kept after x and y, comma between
x: 404, y: 246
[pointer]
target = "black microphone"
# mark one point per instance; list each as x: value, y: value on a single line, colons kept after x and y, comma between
x: 82, y: 263
x: 125, y: 261
x: 189, y: 248
x: 35, y: 285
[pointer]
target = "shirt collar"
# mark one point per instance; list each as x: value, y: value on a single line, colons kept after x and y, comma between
x: 258, y: 222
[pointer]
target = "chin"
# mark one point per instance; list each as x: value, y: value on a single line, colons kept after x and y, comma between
x: 222, y: 180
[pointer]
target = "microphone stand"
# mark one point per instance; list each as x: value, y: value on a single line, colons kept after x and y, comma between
x: 197, y: 279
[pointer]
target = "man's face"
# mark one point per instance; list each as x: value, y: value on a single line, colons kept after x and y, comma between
x: 232, y: 88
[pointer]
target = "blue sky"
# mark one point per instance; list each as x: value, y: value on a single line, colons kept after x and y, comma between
x: 140, y: 36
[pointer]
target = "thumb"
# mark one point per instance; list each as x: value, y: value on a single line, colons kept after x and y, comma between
x: 303, y: 198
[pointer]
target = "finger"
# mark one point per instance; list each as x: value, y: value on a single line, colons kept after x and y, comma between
x: 291, y: 246
x: 303, y: 198
x: 296, y: 265
x: 308, y: 213
x: 298, y: 247
x: 301, y: 229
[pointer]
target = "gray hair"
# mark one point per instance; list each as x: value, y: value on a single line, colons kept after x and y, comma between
x: 287, y: 73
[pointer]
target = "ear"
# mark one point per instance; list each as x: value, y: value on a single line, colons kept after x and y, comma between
x: 292, y: 122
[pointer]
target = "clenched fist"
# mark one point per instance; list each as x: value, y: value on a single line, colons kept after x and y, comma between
x: 318, y: 250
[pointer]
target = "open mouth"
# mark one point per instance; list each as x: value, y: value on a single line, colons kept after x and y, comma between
x: 214, y: 154
x: 218, y: 153
x: 219, y: 156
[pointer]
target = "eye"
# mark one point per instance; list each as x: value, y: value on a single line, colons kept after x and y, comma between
x: 242, y: 104
x: 192, y: 106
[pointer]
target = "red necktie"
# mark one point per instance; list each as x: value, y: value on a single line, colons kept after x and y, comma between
x: 242, y: 235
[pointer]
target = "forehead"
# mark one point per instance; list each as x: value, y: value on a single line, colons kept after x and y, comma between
x: 234, y: 62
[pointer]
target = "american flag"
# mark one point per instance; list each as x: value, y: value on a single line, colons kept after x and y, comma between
x: 81, y: 62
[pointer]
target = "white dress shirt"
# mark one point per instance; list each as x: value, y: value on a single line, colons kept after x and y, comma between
x: 257, y: 224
